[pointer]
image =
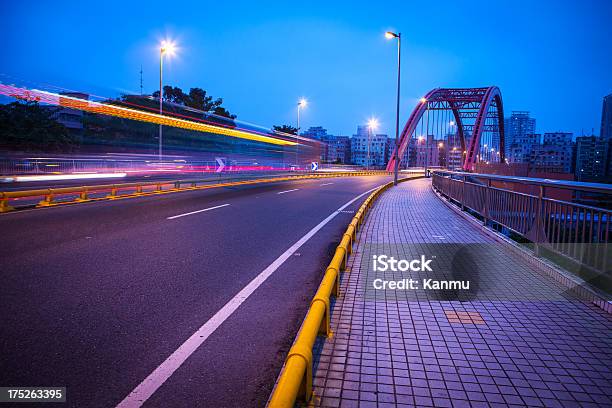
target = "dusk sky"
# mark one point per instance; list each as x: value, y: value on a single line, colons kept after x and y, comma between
x: 553, y: 58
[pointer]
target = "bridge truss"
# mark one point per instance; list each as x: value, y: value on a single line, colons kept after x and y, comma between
x: 464, y: 126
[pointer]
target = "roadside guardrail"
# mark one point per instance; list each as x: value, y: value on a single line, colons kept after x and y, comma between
x: 295, y: 380
x: 80, y: 194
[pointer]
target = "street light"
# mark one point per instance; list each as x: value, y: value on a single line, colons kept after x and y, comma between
x: 372, y: 125
x: 166, y: 48
x: 389, y: 35
x: 301, y: 104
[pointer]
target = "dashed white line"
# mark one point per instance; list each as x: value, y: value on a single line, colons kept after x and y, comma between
x: 158, y: 377
x: 287, y: 191
x: 326, y: 184
x: 198, y: 211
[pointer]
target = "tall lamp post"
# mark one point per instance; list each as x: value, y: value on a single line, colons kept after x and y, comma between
x: 301, y: 104
x: 390, y: 35
x: 167, y: 47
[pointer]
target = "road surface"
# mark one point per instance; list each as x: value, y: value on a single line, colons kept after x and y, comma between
x: 97, y: 296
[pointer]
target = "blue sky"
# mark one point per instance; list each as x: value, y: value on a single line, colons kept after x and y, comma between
x: 553, y: 58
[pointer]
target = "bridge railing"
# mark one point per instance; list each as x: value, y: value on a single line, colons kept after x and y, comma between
x: 561, y: 218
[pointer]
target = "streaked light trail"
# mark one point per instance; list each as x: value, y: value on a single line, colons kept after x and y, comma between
x: 56, y: 177
x: 122, y: 112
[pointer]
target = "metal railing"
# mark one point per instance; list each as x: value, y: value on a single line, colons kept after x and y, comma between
x: 551, y: 214
x: 295, y: 380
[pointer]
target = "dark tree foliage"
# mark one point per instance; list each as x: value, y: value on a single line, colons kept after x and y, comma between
x: 197, y: 98
x: 285, y: 129
x: 27, y: 126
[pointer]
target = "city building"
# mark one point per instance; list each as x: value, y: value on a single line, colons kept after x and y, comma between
x: 337, y: 150
x: 606, y: 118
x: 591, y: 158
x: 405, y: 157
x: 606, y: 131
x: 520, y: 150
x: 517, y: 127
x: 373, y: 156
x: 428, y: 152
x: 454, y: 153
x: 554, y: 155
x: 315, y: 132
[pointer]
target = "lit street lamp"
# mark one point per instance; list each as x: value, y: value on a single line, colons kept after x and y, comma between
x: 166, y: 47
x: 389, y: 35
x: 301, y: 104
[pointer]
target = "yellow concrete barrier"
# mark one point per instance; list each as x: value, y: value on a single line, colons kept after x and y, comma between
x: 83, y: 193
x: 295, y: 380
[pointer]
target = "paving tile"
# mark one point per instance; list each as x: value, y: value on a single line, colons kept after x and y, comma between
x: 522, y: 340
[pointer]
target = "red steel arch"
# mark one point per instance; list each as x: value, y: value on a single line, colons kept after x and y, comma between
x: 467, y: 105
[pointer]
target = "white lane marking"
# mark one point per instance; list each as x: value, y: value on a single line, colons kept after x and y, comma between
x: 195, y: 212
x: 288, y: 191
x: 149, y: 385
x: 326, y: 184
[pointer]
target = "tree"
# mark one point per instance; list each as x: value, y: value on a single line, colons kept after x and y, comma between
x: 27, y: 126
x: 285, y: 129
x: 173, y: 95
x: 197, y: 98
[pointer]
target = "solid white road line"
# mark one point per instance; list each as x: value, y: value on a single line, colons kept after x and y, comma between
x: 195, y: 212
x: 149, y: 385
x: 326, y: 184
x: 288, y: 191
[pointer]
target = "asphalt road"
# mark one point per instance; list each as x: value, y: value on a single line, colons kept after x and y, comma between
x: 96, y: 296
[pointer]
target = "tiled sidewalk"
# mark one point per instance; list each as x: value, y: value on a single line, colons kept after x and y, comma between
x: 519, y: 340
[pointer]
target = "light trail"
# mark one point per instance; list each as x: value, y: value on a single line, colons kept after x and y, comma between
x: 133, y: 114
x: 56, y: 177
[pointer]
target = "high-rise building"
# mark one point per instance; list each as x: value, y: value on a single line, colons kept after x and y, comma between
x: 591, y: 158
x: 517, y: 127
x: 376, y: 154
x: 606, y: 131
x: 606, y: 118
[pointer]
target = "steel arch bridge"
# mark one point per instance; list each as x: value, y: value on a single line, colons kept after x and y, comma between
x: 474, y: 117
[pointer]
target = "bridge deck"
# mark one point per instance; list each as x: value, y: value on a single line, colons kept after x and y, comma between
x: 516, y: 338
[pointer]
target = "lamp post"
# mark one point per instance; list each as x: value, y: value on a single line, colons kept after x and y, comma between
x: 301, y: 104
x: 372, y: 125
x: 167, y: 47
x: 390, y: 35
